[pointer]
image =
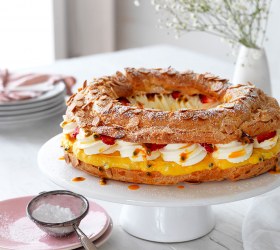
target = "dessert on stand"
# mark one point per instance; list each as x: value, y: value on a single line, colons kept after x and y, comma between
x: 150, y: 135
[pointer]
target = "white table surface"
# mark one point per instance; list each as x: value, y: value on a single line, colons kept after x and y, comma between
x: 20, y: 175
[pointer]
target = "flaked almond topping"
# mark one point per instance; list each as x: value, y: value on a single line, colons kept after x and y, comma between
x: 228, y: 105
x: 171, y: 72
x: 144, y: 71
x: 108, y: 107
x: 80, y: 113
x: 85, y: 84
x: 79, y: 96
x: 95, y: 121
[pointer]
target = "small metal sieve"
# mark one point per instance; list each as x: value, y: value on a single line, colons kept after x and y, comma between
x: 78, y: 206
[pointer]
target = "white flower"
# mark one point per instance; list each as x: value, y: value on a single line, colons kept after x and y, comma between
x: 236, y: 21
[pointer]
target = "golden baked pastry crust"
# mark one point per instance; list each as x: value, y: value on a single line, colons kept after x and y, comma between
x: 244, y: 109
x: 156, y: 178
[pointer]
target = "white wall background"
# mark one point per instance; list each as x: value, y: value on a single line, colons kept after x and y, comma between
x: 90, y: 26
x: 136, y: 27
x: 34, y: 33
x: 26, y: 33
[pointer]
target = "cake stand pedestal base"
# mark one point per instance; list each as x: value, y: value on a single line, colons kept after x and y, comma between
x: 167, y: 224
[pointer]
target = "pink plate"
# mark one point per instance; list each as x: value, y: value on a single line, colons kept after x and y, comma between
x: 17, y: 231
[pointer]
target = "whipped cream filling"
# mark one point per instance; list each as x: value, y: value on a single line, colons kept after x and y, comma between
x: 181, y: 153
x: 267, y: 144
x: 167, y: 103
x: 91, y: 145
x: 68, y: 128
x: 234, y: 151
x: 134, y: 151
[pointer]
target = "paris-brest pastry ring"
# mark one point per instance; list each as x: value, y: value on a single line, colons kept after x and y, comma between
x: 160, y: 126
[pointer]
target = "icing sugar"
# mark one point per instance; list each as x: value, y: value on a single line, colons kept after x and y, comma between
x: 53, y: 213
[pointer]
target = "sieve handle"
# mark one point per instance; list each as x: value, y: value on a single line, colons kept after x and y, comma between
x: 87, y: 244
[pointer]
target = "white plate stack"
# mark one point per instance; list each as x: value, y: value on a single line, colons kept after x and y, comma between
x: 48, y: 104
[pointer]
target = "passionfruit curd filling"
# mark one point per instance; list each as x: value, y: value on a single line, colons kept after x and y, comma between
x: 170, y: 159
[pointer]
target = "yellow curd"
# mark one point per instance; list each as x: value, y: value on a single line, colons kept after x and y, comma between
x: 159, y: 165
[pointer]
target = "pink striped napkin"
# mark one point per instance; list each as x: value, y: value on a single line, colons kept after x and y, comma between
x: 15, y: 87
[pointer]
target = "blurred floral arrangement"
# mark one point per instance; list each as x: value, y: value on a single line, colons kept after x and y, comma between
x: 236, y: 21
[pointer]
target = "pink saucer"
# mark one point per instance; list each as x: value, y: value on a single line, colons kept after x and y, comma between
x: 17, y: 231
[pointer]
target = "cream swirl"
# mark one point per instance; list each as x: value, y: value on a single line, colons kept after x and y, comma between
x: 233, y: 152
x: 168, y: 103
x: 90, y: 144
x: 183, y: 154
x: 267, y: 144
x: 133, y: 151
x: 68, y: 128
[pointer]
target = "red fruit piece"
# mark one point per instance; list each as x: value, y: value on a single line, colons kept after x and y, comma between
x: 123, y: 101
x: 107, y: 139
x: 154, y: 147
x: 208, y: 147
x: 205, y: 98
x: 176, y: 94
x: 76, y: 132
x: 265, y: 136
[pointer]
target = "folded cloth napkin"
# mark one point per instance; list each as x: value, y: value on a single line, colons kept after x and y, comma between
x: 261, y: 227
x: 14, y: 86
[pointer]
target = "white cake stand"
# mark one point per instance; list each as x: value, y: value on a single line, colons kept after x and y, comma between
x: 156, y: 213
